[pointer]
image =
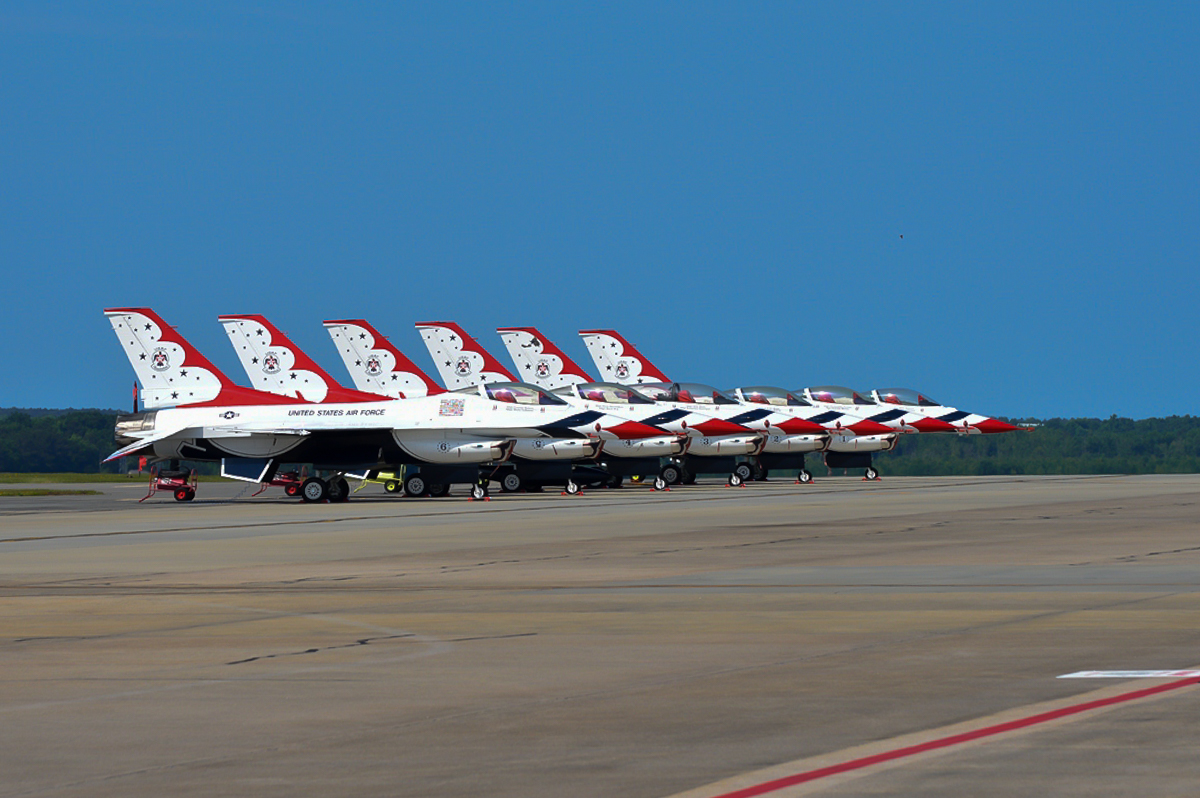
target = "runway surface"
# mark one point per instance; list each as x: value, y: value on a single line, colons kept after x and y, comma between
x: 903, y: 637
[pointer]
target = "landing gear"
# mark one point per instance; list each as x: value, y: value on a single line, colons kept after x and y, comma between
x: 479, y: 490
x: 743, y: 472
x: 314, y: 489
x: 615, y: 481
x: 734, y: 480
x: 660, y: 483
x: 804, y: 477
x: 437, y: 490
x: 339, y: 490
x: 871, y: 474
x: 760, y: 473
x: 671, y: 474
x: 572, y: 488
x: 688, y: 478
x: 510, y: 482
x: 414, y: 485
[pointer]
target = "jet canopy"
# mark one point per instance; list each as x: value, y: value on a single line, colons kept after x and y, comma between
x: 769, y: 395
x: 835, y: 395
x: 609, y: 392
x: 904, y: 396
x: 690, y: 392
x: 517, y: 393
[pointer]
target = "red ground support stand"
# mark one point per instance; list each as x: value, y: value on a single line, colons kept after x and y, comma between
x: 181, y: 485
x: 290, y: 481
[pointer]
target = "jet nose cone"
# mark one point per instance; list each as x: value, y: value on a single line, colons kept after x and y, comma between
x: 868, y: 427
x: 714, y: 427
x: 990, y: 425
x: 932, y: 425
x: 635, y: 430
x: 800, y: 426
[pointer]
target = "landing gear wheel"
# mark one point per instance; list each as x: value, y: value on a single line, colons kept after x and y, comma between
x: 415, y: 486
x: 314, y: 489
x: 510, y: 482
x: 391, y: 486
x: 688, y: 478
x: 804, y: 477
x: 437, y: 490
x: 615, y: 481
x: 734, y: 480
x: 479, y: 490
x: 339, y: 490
x: 743, y: 472
x: 184, y: 494
x: 671, y: 474
x: 760, y: 473
x: 572, y: 487
x: 292, y: 489
x: 660, y: 483
x: 872, y: 474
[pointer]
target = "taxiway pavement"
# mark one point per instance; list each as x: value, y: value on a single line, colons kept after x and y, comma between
x: 703, y: 641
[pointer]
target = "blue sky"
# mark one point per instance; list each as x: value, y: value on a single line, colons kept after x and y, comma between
x: 995, y: 203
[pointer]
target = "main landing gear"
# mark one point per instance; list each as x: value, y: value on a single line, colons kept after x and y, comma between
x: 315, y: 489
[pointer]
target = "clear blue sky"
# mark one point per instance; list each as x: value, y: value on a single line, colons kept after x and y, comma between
x: 726, y: 184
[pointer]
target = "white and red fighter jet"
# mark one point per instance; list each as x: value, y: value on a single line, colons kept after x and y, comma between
x: 846, y: 434
x: 458, y: 356
x: 194, y: 412
x: 783, y: 432
x: 963, y: 422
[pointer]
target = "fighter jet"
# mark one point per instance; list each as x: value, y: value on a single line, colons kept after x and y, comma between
x: 847, y: 435
x: 460, y: 359
x: 963, y: 422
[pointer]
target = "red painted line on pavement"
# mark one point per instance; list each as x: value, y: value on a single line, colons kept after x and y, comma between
x: 945, y: 742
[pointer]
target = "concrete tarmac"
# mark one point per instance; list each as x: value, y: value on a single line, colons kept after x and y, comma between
x: 702, y: 641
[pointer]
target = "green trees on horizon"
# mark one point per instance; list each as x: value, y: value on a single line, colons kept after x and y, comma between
x: 77, y: 440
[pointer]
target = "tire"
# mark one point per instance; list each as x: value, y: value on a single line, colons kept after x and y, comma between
x: 438, y: 490
x: 339, y: 490
x: 479, y: 491
x: 743, y: 472
x: 635, y: 479
x: 688, y: 478
x: 735, y: 481
x: 181, y: 495
x: 510, y: 482
x: 871, y: 473
x: 572, y: 487
x: 804, y: 477
x: 314, y: 489
x: 615, y: 481
x: 671, y: 474
x: 391, y: 486
x: 415, y: 486
x: 291, y: 489
x: 660, y: 483
x: 760, y: 473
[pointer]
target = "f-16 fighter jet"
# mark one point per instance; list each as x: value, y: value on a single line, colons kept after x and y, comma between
x: 711, y: 436
x: 963, y: 422
x: 782, y: 431
x: 194, y: 412
x: 849, y: 436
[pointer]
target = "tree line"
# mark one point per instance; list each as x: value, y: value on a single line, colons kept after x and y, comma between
x: 55, y: 441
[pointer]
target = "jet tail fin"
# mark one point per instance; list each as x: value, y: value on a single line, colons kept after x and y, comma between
x: 276, y: 365
x: 375, y: 364
x: 539, y: 361
x: 461, y: 361
x: 617, y: 360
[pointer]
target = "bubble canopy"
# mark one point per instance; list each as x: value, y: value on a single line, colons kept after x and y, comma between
x: 904, y: 396
x: 689, y: 392
x: 609, y: 392
x: 770, y: 395
x: 517, y: 393
x: 836, y: 395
